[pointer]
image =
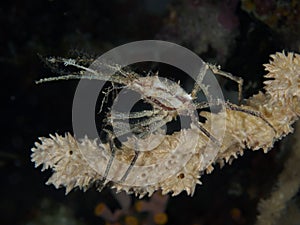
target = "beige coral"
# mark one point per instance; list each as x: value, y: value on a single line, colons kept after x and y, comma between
x: 265, y: 118
x: 272, y: 208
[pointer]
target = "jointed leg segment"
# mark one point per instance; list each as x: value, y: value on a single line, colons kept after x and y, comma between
x: 217, y: 70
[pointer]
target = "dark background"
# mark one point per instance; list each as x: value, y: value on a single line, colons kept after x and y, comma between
x: 54, y: 28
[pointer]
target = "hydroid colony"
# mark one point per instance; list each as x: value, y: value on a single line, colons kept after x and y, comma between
x: 264, y: 118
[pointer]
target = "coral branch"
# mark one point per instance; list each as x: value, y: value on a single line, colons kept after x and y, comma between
x: 264, y: 119
x: 288, y: 184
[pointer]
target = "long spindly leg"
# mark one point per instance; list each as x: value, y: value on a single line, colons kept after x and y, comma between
x: 133, y: 161
x: 101, y: 184
x: 217, y: 70
x: 250, y: 112
x: 115, y: 118
x: 123, y: 128
x: 110, y: 90
x: 199, y: 79
x: 209, y: 135
x: 113, y: 149
x: 146, y: 126
x: 87, y: 72
x: 203, y: 105
x: 151, y: 128
x: 230, y: 106
x: 133, y: 115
